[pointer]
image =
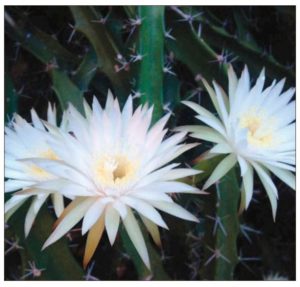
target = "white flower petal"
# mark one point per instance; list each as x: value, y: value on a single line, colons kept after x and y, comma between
x: 212, y: 95
x: 248, y: 184
x: 58, y: 203
x: 33, y: 211
x: 180, y: 173
x: 119, y: 206
x: 222, y: 168
x: 221, y: 101
x: 243, y: 165
x: 145, y: 209
x: 51, y: 115
x: 265, y: 178
x: 271, y: 194
x: 87, y: 109
x: 284, y: 175
x: 175, y: 210
x: 36, y: 120
x: 213, y: 123
x: 152, y: 229
x: 15, y: 200
x: 72, y: 218
x: 170, y: 187
x: 92, y: 215
x: 12, y: 185
x: 221, y: 148
x: 233, y: 81
x: 208, y: 134
x: 136, y: 236
x: 150, y: 195
x: 112, y: 220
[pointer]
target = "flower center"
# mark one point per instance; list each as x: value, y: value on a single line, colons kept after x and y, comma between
x: 259, y: 133
x: 115, y: 170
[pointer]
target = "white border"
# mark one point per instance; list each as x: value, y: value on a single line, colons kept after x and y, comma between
x: 136, y: 283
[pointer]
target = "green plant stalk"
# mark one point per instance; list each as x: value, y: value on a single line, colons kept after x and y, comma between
x: 57, y: 259
x: 11, y: 98
x: 151, y: 41
x: 50, y: 52
x: 41, y: 45
x: 255, y: 58
x: 193, y: 51
x: 86, y: 71
x: 66, y: 90
x: 104, y: 46
x: 157, y: 271
x: 223, y: 205
x: 227, y: 210
x: 151, y: 47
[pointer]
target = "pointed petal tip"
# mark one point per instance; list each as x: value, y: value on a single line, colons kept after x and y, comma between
x: 207, y: 185
x: 274, y: 215
x: 195, y: 219
x: 26, y: 232
x: 200, y: 191
x: 46, y: 244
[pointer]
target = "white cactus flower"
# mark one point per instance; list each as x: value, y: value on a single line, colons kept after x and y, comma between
x: 23, y: 141
x: 255, y: 127
x: 114, y: 162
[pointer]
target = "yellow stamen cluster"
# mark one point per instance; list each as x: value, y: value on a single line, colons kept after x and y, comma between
x: 258, y: 135
x: 115, y: 170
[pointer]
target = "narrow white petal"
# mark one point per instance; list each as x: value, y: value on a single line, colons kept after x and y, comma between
x: 180, y: 173
x: 87, y: 109
x: 127, y: 111
x: 149, y: 195
x: 136, y: 236
x: 248, y: 184
x: 286, y: 176
x: 36, y: 120
x: 119, y: 206
x: 171, y: 187
x: 199, y: 109
x: 212, y: 95
x: 265, y: 178
x: 221, y: 148
x: 58, y: 203
x: 222, y: 168
x: 145, y: 209
x: 221, y: 102
x: 269, y: 187
x: 243, y: 165
x: 73, y: 217
x: 175, y: 210
x: 112, y: 220
x: 15, y: 200
x: 172, y: 141
x: 32, y: 212
x: 92, y: 215
x: 51, y: 115
x: 11, y: 208
x: 156, y: 175
x: 18, y: 175
x: 208, y: 134
x: 232, y: 79
x: 213, y: 123
x: 109, y: 100
x: 152, y: 229
x: 12, y: 185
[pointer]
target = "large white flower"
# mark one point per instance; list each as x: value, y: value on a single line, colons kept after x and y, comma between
x: 255, y: 126
x: 22, y: 141
x: 114, y: 162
